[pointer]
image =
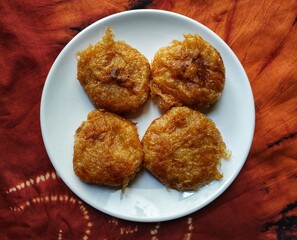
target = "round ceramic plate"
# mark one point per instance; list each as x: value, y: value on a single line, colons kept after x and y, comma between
x: 64, y: 105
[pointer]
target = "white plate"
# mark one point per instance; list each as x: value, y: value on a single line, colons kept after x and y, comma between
x: 64, y: 105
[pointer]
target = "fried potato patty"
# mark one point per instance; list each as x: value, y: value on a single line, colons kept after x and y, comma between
x: 107, y: 150
x: 183, y: 148
x: 187, y: 73
x: 114, y: 75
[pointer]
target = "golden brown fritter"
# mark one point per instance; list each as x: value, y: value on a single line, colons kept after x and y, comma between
x: 183, y: 148
x: 187, y: 73
x: 107, y: 150
x: 114, y: 75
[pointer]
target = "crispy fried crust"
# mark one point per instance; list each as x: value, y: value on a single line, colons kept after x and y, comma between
x: 114, y: 75
x: 107, y: 150
x: 183, y: 148
x: 187, y: 73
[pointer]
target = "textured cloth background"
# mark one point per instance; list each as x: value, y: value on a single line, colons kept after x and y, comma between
x: 260, y: 204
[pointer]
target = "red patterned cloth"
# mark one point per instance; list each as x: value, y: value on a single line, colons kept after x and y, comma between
x: 36, y: 204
